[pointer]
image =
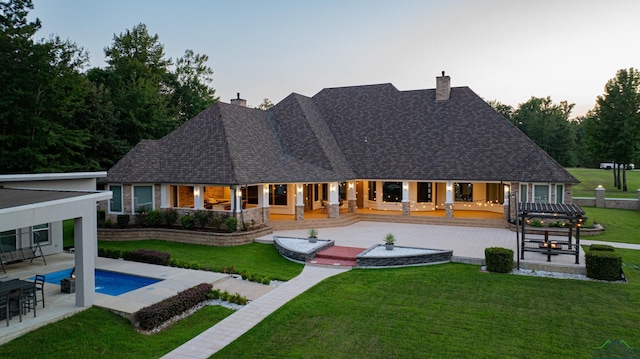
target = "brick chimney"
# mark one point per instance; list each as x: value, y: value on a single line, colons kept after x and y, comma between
x: 239, y: 101
x: 443, y: 87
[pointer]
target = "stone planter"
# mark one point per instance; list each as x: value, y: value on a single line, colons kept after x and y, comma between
x: 389, y: 247
x: 313, y: 240
x: 68, y: 285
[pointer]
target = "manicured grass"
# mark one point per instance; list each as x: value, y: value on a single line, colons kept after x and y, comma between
x: 446, y: 311
x: 620, y: 225
x: 591, y: 178
x: 256, y: 258
x: 98, y: 333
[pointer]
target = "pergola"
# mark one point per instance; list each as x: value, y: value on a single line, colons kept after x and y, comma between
x: 557, y: 236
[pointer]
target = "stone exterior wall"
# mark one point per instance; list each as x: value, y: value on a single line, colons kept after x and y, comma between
x: 182, y: 236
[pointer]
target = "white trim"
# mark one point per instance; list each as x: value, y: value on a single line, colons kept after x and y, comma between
x: 50, y: 176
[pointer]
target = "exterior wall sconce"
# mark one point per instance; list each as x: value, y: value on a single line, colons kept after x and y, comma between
x: 350, y: 185
x: 239, y: 193
x: 333, y: 188
x: 196, y: 191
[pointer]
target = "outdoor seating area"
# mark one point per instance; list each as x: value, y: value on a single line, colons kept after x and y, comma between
x: 19, y: 297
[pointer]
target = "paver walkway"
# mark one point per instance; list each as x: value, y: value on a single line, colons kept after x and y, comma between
x: 233, y: 326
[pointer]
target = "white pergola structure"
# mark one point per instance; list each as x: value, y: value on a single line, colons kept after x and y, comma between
x: 34, y: 199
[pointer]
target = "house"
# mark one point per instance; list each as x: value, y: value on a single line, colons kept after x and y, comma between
x: 343, y: 150
x: 32, y: 209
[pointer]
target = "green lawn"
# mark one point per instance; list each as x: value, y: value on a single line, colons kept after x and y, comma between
x: 447, y: 311
x: 591, y: 178
x: 620, y: 225
x: 98, y: 333
x: 256, y: 258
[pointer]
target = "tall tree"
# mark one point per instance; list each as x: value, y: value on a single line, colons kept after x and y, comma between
x: 505, y: 110
x: 192, y: 91
x: 138, y: 80
x: 614, y: 129
x: 41, y: 94
x: 548, y: 125
x: 265, y: 105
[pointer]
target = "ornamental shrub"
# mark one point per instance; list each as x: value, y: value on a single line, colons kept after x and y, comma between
x: 123, y: 220
x: 154, y: 218
x: 499, y: 260
x: 602, y: 247
x: 148, y: 256
x: 170, y: 216
x: 154, y: 315
x: 232, y: 224
x: 203, y: 217
x: 110, y: 253
x: 603, y: 265
x: 187, y: 221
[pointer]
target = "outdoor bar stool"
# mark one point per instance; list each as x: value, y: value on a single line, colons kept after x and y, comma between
x: 28, y: 299
x: 39, y: 281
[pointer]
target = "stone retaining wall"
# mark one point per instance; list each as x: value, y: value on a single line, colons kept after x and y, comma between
x: 299, y: 256
x: 391, y: 261
x: 182, y: 236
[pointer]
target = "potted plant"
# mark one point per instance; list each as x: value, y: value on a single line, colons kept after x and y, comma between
x: 313, y: 235
x: 389, y: 240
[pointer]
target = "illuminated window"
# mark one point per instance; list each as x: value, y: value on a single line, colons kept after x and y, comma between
x: 464, y: 192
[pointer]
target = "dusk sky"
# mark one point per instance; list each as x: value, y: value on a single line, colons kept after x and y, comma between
x: 503, y: 49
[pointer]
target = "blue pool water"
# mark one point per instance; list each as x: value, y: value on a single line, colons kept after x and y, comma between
x: 110, y: 283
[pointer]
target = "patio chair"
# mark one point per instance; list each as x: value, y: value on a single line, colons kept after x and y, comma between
x: 39, y: 281
x: 28, y: 299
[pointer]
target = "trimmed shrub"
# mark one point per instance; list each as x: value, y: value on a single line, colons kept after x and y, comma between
x: 154, y: 315
x: 603, y: 265
x: 141, y: 217
x: 170, y: 216
x: 231, y: 223
x: 123, y: 220
x: 499, y: 260
x: 148, y: 256
x: 602, y: 247
x: 110, y: 253
x: 154, y: 218
x: 218, y: 219
x: 203, y: 217
x: 187, y: 221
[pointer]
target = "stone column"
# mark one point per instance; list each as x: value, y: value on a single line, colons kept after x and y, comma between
x: 406, y: 204
x: 352, y: 202
x: 299, y: 202
x: 600, y: 192
x: 448, y: 204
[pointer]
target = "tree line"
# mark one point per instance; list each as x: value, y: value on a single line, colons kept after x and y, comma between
x: 58, y: 115
x: 610, y: 132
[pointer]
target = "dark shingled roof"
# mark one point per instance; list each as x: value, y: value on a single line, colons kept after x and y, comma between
x: 359, y: 132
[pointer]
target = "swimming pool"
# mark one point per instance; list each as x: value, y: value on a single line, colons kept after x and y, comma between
x: 111, y: 283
